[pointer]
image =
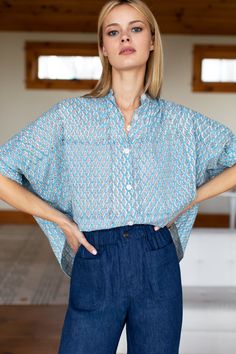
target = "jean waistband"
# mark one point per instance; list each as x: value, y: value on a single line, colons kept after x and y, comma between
x: 112, y: 235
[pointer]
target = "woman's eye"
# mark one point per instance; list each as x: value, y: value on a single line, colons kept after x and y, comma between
x: 139, y: 28
x: 109, y: 33
x: 113, y: 31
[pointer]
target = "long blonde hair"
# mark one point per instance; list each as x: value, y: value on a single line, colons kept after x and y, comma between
x: 154, y: 66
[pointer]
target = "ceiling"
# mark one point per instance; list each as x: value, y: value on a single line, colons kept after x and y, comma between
x: 215, y: 17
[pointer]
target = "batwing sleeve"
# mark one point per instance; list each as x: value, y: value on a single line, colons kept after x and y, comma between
x: 215, y: 147
x: 24, y: 154
x: 34, y: 158
x: 214, y: 151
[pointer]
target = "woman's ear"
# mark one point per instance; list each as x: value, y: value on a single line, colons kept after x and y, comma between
x: 152, y: 42
x: 104, y: 51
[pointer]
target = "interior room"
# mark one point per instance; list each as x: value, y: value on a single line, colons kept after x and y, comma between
x: 33, y: 289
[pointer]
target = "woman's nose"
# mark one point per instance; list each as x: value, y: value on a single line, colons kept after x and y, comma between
x: 124, y: 39
x: 125, y: 36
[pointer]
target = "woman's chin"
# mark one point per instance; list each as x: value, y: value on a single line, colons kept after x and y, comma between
x: 129, y: 66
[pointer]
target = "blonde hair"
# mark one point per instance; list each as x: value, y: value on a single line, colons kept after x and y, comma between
x: 154, y: 66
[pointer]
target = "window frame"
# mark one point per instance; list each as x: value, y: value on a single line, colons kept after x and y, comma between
x: 201, y: 52
x: 35, y: 49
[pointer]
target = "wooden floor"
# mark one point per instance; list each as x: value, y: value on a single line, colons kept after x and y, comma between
x: 33, y: 329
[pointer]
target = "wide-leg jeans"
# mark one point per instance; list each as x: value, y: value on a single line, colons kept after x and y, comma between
x: 133, y: 280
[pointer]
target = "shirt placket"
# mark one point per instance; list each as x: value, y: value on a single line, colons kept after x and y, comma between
x: 123, y: 164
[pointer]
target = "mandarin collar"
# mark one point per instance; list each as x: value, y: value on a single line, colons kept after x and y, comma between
x: 144, y: 98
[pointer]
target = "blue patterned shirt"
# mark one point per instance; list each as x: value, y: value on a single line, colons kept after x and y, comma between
x: 77, y: 157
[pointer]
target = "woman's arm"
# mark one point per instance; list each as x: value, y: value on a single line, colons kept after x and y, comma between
x: 20, y: 198
x: 223, y: 182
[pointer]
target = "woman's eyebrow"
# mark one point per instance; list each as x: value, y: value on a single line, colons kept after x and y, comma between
x: 117, y: 24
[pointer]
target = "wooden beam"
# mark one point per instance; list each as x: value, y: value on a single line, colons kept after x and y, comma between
x: 174, y: 17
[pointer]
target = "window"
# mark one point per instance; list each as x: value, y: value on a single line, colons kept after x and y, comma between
x: 62, y: 65
x: 214, y: 68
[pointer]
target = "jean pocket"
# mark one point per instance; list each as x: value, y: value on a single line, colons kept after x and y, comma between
x: 87, y: 287
x: 157, y: 239
x: 163, y: 273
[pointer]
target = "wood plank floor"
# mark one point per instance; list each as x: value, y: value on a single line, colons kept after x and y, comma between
x: 33, y: 329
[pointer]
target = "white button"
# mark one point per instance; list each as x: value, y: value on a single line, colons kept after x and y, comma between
x: 135, y: 116
x: 130, y: 222
x: 126, y: 150
x: 128, y: 127
x: 129, y: 186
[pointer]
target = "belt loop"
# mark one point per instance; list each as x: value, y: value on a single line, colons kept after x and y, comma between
x: 146, y: 229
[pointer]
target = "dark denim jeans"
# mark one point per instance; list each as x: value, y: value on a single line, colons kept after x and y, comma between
x: 135, y: 280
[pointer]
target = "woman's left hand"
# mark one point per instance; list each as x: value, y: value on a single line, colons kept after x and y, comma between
x: 176, y: 217
x: 223, y: 182
x: 169, y: 223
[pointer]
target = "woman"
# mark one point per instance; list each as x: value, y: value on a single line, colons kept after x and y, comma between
x: 104, y: 169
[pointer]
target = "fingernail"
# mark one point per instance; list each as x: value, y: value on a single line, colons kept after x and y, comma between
x: 94, y: 252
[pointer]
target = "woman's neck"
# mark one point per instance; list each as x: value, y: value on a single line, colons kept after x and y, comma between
x: 127, y: 101
x: 128, y: 87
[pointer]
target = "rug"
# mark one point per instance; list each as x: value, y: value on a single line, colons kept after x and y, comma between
x: 29, y: 271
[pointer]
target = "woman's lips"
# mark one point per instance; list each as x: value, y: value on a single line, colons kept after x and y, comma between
x: 127, y: 51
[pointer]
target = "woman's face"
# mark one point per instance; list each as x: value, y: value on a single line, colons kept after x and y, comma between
x: 123, y: 27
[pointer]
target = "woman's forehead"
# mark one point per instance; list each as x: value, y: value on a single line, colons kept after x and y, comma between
x: 123, y: 14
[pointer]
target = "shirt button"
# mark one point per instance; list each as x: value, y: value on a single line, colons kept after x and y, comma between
x: 129, y: 186
x: 135, y: 116
x: 126, y: 150
x: 130, y: 222
x: 128, y: 127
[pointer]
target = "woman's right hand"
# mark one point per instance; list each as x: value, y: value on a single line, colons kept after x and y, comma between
x: 75, y: 237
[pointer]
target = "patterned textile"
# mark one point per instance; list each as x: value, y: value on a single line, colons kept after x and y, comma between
x: 77, y: 157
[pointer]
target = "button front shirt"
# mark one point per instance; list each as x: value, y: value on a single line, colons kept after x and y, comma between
x: 78, y: 157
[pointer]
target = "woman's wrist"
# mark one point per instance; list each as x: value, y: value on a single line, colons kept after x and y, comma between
x: 196, y: 200
x: 63, y: 221
x: 191, y: 204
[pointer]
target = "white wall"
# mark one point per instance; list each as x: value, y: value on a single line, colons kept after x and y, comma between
x: 19, y: 105
x: 210, y: 258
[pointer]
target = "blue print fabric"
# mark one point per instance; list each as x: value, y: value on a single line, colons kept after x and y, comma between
x: 78, y: 158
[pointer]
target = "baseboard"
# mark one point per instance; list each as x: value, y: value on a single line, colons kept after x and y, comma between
x: 202, y: 220
x: 15, y: 217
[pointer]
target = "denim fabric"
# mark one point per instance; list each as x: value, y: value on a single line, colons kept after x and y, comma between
x: 134, y: 280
